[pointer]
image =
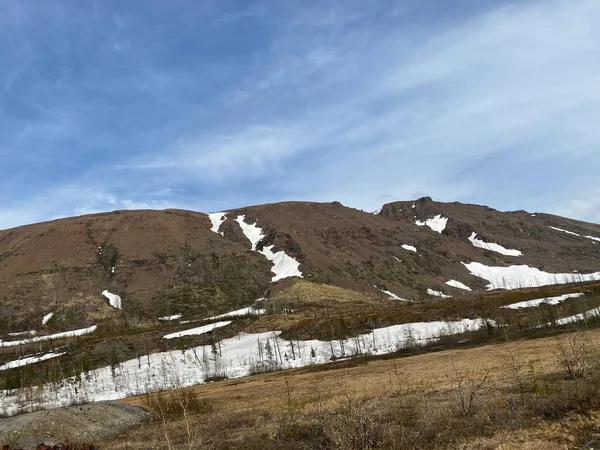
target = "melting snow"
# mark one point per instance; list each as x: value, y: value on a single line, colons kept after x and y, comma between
x: 397, y: 259
x: 29, y: 360
x: 239, y: 312
x: 217, y: 220
x: 539, y: 301
x: 47, y: 317
x: 517, y: 277
x: 493, y: 247
x: 197, y: 331
x: 284, y: 266
x: 437, y: 294
x: 458, y: 285
x: 239, y: 356
x: 438, y: 223
x: 113, y: 299
x: 410, y: 248
x: 170, y: 318
x: 50, y: 337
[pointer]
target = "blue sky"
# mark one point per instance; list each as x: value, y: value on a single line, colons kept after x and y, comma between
x: 210, y: 105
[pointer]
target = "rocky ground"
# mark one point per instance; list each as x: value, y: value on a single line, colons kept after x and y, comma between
x: 91, y: 423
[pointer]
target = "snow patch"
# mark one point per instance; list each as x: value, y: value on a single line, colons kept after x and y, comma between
x: 458, y: 285
x: 239, y: 312
x: 113, y: 299
x: 397, y: 259
x: 24, y: 333
x: 593, y: 238
x: 438, y: 223
x: 523, y: 276
x: 47, y: 317
x: 50, y: 337
x: 540, y: 301
x: 410, y: 248
x: 578, y: 317
x: 197, y: 331
x: 284, y: 266
x: 170, y: 318
x: 493, y: 247
x: 29, y: 360
x: 565, y: 231
x: 393, y: 296
x: 437, y: 294
x: 217, y: 220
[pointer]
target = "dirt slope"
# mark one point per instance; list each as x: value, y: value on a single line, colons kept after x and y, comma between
x: 166, y: 262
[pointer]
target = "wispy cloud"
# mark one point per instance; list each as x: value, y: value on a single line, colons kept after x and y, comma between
x: 357, y: 102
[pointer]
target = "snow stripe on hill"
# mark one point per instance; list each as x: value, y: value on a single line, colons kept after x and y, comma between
x: 410, y: 248
x: 239, y: 312
x: 170, y: 318
x: 593, y: 238
x: 438, y: 223
x: 284, y: 266
x: 217, y: 220
x: 517, y: 277
x: 540, y: 301
x: 437, y: 294
x: 458, y: 285
x: 50, y: 337
x: 493, y: 247
x: 29, y: 360
x: 579, y: 317
x: 393, y: 296
x: 197, y: 331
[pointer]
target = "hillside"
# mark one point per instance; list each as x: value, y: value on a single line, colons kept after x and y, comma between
x: 167, y: 262
x: 115, y: 304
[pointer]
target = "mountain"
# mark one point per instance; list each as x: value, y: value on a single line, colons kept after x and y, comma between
x: 169, y: 262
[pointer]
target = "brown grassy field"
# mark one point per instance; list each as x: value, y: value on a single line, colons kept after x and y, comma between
x: 527, y: 394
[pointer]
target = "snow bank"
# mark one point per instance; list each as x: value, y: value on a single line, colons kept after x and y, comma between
x: 113, y: 299
x: 47, y: 317
x: 438, y: 223
x: 437, y: 294
x: 517, y: 277
x: 197, y: 331
x: 493, y: 247
x: 410, y: 248
x: 539, y: 301
x: 284, y: 266
x: 50, y: 337
x: 217, y: 220
x: 458, y: 285
x: 29, y: 360
x: 239, y: 312
x: 170, y: 318
x: 237, y: 357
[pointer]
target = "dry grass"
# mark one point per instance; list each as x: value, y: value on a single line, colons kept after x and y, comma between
x: 521, y: 396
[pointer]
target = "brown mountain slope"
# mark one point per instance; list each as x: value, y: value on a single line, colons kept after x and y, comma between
x: 167, y: 262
